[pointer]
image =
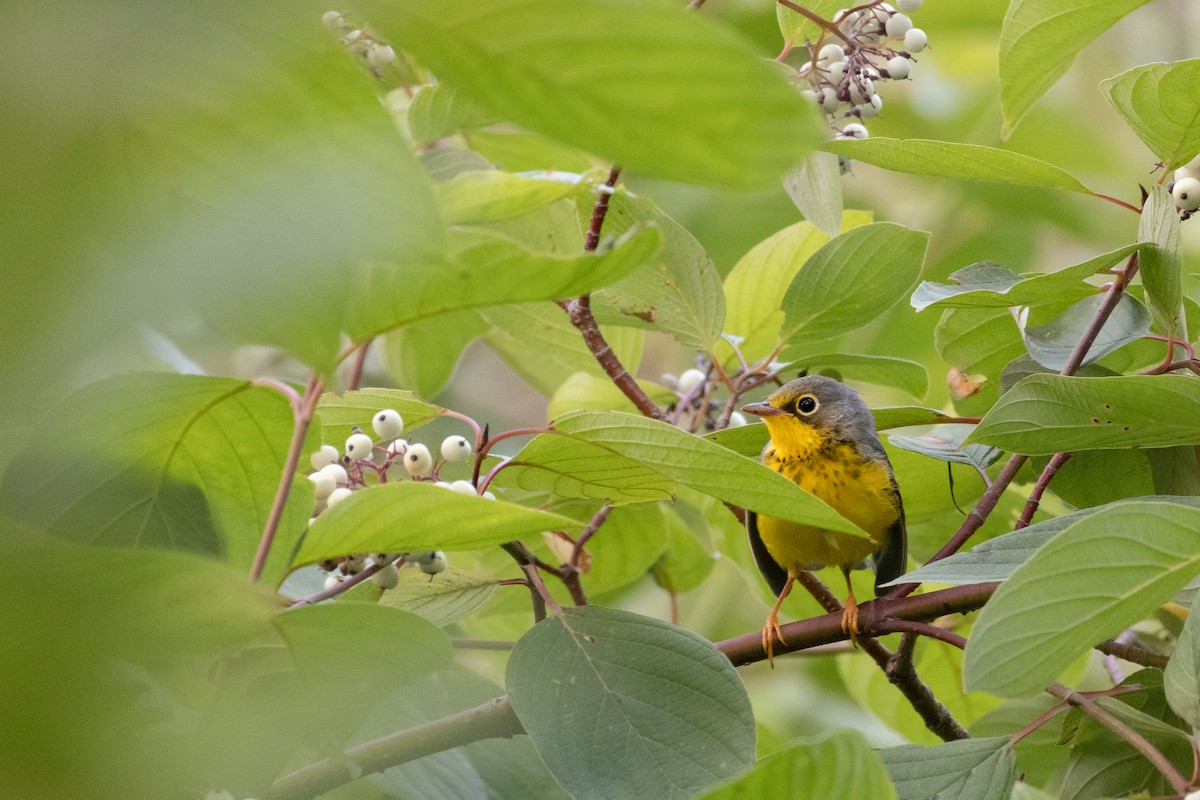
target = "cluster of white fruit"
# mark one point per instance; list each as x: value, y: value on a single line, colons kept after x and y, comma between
x: 387, y: 576
x: 876, y: 44
x: 690, y: 384
x: 1186, y: 188
x: 360, y: 41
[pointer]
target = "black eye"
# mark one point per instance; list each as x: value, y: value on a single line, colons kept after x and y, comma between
x: 807, y: 404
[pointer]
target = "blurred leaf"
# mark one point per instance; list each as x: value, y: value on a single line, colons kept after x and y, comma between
x: 412, y: 515
x: 487, y: 195
x: 437, y: 111
x: 1046, y: 414
x: 443, y: 599
x: 675, y: 712
x: 747, y: 440
x: 491, y: 270
x: 443, y: 163
x: 1182, y: 677
x: 161, y: 460
x: 979, y: 341
x: 1175, y: 470
x: 339, y: 415
x: 1100, y: 575
x: 680, y: 293
x: 1039, y: 41
x: 900, y: 373
x: 990, y: 285
x: 704, y: 466
x: 851, y: 280
x: 797, y: 28
x: 1159, y: 102
x: 906, y: 416
x: 684, y: 565
x: 974, y: 162
x: 1023, y: 791
x: 567, y: 466
x: 525, y: 60
x: 1051, y: 345
x: 838, y: 764
x: 518, y: 150
x: 1162, y: 264
x: 966, y: 769
x: 625, y: 548
x: 584, y: 391
x: 755, y: 284
x: 423, y: 355
x: 945, y: 443
x: 815, y: 186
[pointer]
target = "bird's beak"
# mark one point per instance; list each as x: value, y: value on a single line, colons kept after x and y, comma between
x: 764, y: 410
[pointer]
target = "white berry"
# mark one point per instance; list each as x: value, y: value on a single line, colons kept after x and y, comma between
x: 323, y: 484
x: 358, y: 446
x: 809, y: 95
x: 854, y: 131
x: 831, y: 53
x: 898, y: 25
x: 1187, y: 194
x: 837, y: 71
x: 909, y: 6
x: 463, y: 487
x: 386, y: 578
x: 915, y: 40
x: 382, y: 559
x: 340, y: 477
x: 898, y: 68
x: 455, y: 448
x: 327, y: 455
x: 333, y: 580
x: 489, y: 496
x: 417, y: 461
x: 380, y: 55
x: 337, y: 495
x: 872, y: 108
x: 862, y: 89
x: 443, y: 484
x: 435, y: 564
x: 397, y: 448
x: 388, y: 424
x: 1186, y: 172
x: 419, y: 556
x: 691, y: 378
x: 333, y: 19
x: 737, y: 419
x: 829, y: 102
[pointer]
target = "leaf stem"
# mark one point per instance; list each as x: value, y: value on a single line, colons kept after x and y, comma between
x: 1039, y: 488
x: 1114, y: 200
x: 922, y: 629
x: 302, y: 417
x: 354, y: 380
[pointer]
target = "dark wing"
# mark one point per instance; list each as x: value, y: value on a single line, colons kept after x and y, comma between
x: 891, y: 559
x: 776, y: 575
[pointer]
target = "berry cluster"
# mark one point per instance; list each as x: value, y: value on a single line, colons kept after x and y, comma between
x: 336, y: 476
x: 692, y: 386
x: 1186, y: 188
x: 363, y: 42
x: 872, y: 43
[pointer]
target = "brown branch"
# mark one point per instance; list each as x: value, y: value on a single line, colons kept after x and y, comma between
x: 493, y: 720
x: 914, y: 628
x: 538, y: 592
x: 354, y: 379
x: 1133, y: 653
x: 814, y: 18
x: 1039, y: 488
x: 600, y: 210
x: 1135, y: 739
x: 302, y: 418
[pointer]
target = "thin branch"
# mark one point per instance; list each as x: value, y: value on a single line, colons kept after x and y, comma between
x: 302, y: 418
x: 1133, y: 653
x: 1039, y: 488
x: 593, y: 525
x: 920, y: 628
x: 1114, y: 200
x: 342, y: 586
x: 354, y: 380
x: 494, y: 719
x: 600, y: 209
x: 538, y: 592
x: 1135, y: 739
x: 814, y: 18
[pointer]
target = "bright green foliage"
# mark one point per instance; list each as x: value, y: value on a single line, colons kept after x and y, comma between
x: 477, y: 197
x: 908, y: 376
x: 339, y: 415
x: 1098, y: 576
x: 1053, y: 344
x: 967, y: 769
x: 1182, y: 676
x: 1162, y: 263
x: 1160, y: 101
x: 1039, y: 41
x: 672, y: 709
x: 454, y: 595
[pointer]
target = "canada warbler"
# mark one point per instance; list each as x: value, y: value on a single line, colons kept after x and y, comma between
x: 823, y: 439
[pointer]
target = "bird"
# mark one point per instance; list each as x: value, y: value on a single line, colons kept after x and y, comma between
x: 823, y: 439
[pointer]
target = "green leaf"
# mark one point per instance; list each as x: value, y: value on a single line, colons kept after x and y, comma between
x: 411, y: 515
x: 1182, y: 676
x: 1162, y: 263
x: 1161, y: 102
x: 973, y: 162
x: 1103, y: 573
x: 1045, y: 414
x: 797, y: 28
x: 978, y: 340
x: 1051, y: 344
x: 674, y: 713
x: 704, y: 466
x: 488, y: 195
x: 1175, y: 470
x: 1038, y: 42
x: 452, y: 596
x: 526, y: 60
x: 815, y: 186
x: 423, y: 355
x: 490, y: 270
x: 437, y: 111
x: 900, y: 373
x: 990, y: 285
x: 160, y: 460
x: 685, y: 563
x: 838, y: 764
x: 755, y: 284
x: 584, y: 391
x: 680, y: 292
x: 339, y: 415
x: 967, y: 769
x: 945, y: 443
x: 566, y: 466
x: 1023, y: 791
x: 906, y: 416
x: 625, y: 548
x: 851, y: 280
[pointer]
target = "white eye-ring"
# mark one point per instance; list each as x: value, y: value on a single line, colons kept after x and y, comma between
x: 807, y: 404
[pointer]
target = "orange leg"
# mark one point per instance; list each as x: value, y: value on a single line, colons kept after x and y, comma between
x: 850, y: 612
x: 770, y: 631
